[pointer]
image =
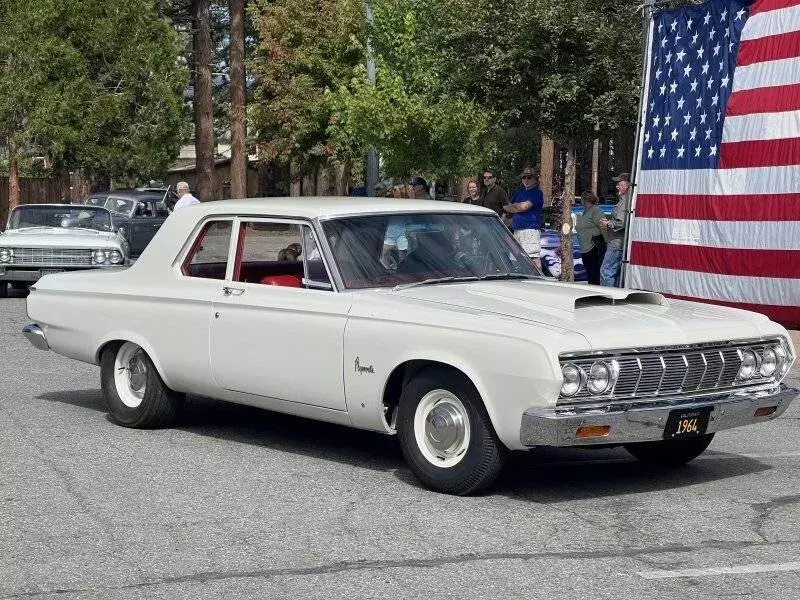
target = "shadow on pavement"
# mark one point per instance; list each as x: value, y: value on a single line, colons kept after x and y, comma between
x: 545, y: 475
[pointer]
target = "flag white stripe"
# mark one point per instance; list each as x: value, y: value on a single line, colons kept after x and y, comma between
x: 764, y: 126
x: 758, y: 235
x: 752, y: 180
x: 711, y: 286
x: 773, y: 22
x: 767, y: 74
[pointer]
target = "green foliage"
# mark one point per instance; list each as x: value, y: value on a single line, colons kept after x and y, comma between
x: 93, y: 83
x: 306, y: 47
x: 410, y: 115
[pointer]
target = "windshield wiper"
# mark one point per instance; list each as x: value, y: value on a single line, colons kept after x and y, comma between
x: 450, y: 279
x: 506, y: 276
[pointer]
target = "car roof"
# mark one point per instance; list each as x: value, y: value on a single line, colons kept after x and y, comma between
x: 60, y: 205
x: 131, y: 194
x: 330, y: 206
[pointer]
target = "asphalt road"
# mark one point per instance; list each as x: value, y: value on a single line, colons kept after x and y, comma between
x: 240, y: 503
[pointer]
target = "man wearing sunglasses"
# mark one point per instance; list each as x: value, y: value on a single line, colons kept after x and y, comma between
x: 493, y: 196
x: 526, y: 207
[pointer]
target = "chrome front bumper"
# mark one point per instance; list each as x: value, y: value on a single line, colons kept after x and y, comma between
x: 35, y: 336
x: 548, y: 427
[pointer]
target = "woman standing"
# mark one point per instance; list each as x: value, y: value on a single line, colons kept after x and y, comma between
x: 473, y: 193
x: 590, y: 237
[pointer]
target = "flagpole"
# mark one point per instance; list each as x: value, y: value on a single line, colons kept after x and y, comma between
x: 647, y: 31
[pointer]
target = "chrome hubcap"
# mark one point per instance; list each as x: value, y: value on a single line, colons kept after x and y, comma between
x: 130, y: 374
x: 441, y: 428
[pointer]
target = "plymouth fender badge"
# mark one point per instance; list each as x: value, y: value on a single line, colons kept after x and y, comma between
x: 360, y: 369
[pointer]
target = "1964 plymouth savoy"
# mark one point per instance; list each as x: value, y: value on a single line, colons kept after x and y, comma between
x: 456, y: 344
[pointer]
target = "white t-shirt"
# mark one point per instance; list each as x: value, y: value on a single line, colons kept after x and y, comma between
x: 185, y: 200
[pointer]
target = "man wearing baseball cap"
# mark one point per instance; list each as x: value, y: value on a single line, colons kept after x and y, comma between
x: 615, y: 229
x: 420, y: 188
x: 525, y: 206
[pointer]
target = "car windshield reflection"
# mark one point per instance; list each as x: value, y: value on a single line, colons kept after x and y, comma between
x: 401, y: 249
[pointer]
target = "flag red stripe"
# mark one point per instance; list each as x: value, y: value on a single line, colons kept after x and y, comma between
x: 788, y: 316
x: 739, y: 207
x: 761, y: 6
x: 760, y: 153
x: 784, y: 264
x: 779, y: 98
x: 773, y: 47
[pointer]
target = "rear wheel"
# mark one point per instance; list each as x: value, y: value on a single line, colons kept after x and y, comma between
x: 446, y: 435
x: 133, y: 389
x: 3, y: 289
x: 670, y: 453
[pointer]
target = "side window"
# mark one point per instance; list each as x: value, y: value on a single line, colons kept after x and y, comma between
x: 314, y: 264
x: 273, y: 254
x: 208, y: 257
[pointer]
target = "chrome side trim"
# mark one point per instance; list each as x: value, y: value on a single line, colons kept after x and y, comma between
x: 35, y: 336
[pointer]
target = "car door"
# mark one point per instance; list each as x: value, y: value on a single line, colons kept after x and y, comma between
x: 143, y: 227
x: 278, y: 326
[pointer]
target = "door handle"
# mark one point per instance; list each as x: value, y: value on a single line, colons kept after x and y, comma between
x: 231, y: 291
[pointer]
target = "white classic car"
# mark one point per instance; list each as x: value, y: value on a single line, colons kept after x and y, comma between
x: 47, y: 238
x: 456, y: 344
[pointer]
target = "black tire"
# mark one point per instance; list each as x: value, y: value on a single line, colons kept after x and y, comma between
x: 3, y: 289
x: 484, y: 456
x: 670, y: 453
x: 159, y: 406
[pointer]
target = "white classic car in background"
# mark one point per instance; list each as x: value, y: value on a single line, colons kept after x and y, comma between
x: 47, y: 238
x: 455, y: 343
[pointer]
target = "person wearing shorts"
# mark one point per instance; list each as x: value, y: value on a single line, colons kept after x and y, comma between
x: 525, y: 206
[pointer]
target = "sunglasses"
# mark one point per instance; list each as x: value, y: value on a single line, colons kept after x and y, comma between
x: 488, y: 176
x: 527, y: 176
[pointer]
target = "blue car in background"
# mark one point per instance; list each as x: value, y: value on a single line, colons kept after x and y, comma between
x: 550, y: 254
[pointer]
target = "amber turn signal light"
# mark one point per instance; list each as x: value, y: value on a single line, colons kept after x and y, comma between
x: 764, y: 411
x: 593, y: 431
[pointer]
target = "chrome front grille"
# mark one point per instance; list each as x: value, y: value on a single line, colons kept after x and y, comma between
x: 60, y: 257
x: 669, y: 371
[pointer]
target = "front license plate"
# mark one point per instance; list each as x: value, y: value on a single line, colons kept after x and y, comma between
x: 683, y: 423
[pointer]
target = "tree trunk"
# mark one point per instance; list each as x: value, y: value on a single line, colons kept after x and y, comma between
x: 310, y: 181
x: 567, y: 272
x: 546, y: 162
x: 294, y: 177
x: 238, y: 128
x: 203, y: 102
x: 324, y: 180
x: 340, y: 186
x: 13, y: 174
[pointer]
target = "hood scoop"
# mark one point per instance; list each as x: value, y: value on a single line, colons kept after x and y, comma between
x: 609, y: 300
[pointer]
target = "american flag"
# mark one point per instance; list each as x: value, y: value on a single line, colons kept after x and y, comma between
x: 717, y: 206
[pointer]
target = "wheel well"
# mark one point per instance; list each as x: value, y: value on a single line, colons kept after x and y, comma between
x: 110, y: 344
x: 399, y: 378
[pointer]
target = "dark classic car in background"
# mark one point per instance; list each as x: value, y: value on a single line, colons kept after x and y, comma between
x: 137, y: 214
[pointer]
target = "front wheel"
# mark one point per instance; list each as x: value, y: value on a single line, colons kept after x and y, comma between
x: 133, y: 389
x: 446, y: 435
x: 3, y: 289
x: 670, y: 453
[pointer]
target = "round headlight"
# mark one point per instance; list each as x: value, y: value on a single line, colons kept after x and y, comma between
x: 599, y: 379
x: 6, y: 254
x: 769, y: 362
x: 115, y: 257
x: 573, y: 379
x: 99, y: 256
x: 748, y: 366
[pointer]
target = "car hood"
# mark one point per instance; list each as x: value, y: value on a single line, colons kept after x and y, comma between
x: 59, y: 238
x: 606, y: 317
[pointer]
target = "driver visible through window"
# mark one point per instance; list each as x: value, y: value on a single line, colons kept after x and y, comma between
x: 389, y: 250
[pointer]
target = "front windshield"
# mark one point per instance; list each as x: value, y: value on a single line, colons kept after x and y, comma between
x: 389, y: 250
x: 88, y: 217
x: 120, y: 205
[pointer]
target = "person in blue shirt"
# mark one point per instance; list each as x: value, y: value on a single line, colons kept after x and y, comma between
x: 525, y: 206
